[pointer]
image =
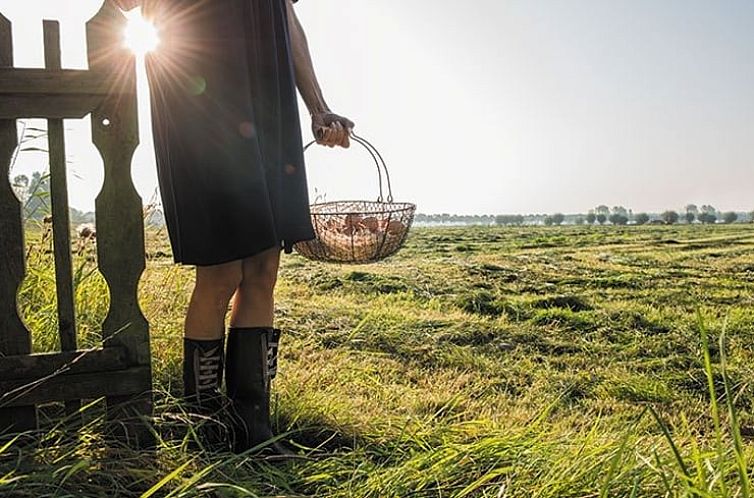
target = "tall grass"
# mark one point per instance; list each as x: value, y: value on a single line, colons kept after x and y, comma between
x: 400, y: 391
x: 702, y: 474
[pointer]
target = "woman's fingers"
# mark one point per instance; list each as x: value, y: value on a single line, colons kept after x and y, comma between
x: 329, y: 137
x: 338, y: 133
x: 319, y: 135
x: 324, y: 134
x: 333, y: 130
x: 343, y: 135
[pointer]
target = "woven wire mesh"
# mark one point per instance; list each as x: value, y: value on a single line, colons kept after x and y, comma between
x: 357, y: 231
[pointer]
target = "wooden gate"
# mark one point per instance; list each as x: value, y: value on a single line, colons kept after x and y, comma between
x: 120, y: 370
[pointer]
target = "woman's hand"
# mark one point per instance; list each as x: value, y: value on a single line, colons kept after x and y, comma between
x: 331, y: 129
x: 126, y: 5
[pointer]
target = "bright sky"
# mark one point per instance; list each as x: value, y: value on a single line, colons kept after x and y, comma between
x: 495, y: 106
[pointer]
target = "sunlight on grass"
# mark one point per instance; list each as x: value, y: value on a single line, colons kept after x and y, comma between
x: 608, y: 364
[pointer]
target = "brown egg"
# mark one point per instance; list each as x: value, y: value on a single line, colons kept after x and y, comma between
x: 353, y: 220
x: 395, y: 227
x: 331, y: 225
x: 371, y: 223
x: 348, y: 229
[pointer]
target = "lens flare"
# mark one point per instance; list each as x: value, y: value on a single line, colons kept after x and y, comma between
x: 141, y: 36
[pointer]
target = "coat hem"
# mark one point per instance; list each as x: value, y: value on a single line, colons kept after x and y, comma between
x: 285, y: 245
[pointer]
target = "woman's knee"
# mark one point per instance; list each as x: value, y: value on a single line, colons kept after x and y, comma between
x: 261, y: 271
x: 220, y: 281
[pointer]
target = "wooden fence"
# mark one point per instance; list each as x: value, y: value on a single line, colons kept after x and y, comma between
x: 119, y: 371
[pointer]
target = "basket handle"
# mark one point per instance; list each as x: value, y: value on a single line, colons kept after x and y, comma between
x: 378, y: 160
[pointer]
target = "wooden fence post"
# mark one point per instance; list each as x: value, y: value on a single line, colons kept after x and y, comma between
x: 120, y: 371
x: 120, y: 212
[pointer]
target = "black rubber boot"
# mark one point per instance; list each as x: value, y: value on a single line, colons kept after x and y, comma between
x: 247, y: 380
x: 202, y: 376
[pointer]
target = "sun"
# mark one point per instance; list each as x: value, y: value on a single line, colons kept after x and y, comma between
x: 141, y: 36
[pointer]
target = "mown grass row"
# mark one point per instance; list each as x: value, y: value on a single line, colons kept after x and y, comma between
x: 564, y: 362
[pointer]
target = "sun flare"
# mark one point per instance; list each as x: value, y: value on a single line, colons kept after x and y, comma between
x: 141, y: 36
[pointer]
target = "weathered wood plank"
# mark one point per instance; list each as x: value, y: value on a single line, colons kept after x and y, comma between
x: 61, y: 225
x: 124, y: 383
x: 61, y: 228
x: 25, y: 367
x: 64, y: 107
x: 61, y: 93
x: 35, y: 82
x: 51, y: 42
x: 119, y: 214
x: 14, y: 336
x: 6, y: 43
x: 120, y: 224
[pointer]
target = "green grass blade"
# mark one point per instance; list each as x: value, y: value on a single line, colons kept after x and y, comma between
x: 663, y: 477
x: 479, y: 483
x: 154, y: 489
x: 673, y: 447
x: 10, y: 443
x: 713, y: 402
x: 741, y: 464
x: 615, y: 460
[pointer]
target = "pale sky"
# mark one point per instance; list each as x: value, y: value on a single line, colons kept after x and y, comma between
x: 495, y: 106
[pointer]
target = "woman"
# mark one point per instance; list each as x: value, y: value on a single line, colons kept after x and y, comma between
x: 231, y: 172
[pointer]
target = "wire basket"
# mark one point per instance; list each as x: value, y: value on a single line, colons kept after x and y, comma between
x: 359, y: 232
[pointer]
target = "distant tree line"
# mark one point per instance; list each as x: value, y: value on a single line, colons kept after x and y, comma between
x: 555, y: 219
x: 509, y: 219
x: 617, y: 215
x: 476, y: 219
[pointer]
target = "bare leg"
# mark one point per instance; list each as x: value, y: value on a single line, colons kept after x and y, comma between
x: 215, y: 285
x: 254, y: 302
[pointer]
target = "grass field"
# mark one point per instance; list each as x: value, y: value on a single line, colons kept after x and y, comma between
x: 495, y: 362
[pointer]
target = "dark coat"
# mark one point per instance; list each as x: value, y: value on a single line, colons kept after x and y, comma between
x: 227, y: 131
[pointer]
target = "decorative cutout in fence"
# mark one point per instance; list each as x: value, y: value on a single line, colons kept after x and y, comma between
x: 120, y: 371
